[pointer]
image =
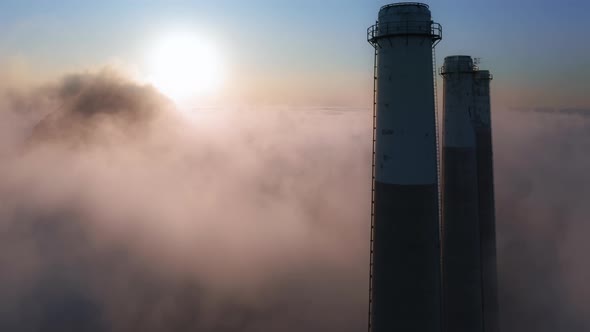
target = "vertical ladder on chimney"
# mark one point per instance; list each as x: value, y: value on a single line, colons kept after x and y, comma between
x: 373, y: 156
x: 439, y: 131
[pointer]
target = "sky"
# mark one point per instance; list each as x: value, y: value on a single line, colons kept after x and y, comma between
x: 307, y: 52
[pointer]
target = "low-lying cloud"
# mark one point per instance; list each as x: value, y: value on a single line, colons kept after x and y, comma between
x: 119, y: 212
x: 542, y: 194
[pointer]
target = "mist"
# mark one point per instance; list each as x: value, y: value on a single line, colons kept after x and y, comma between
x: 542, y: 214
x: 120, y: 212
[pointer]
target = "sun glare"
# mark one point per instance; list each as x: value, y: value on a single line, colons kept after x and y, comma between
x: 184, y: 66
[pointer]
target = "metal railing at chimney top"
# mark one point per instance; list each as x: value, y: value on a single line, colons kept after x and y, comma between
x: 389, y: 29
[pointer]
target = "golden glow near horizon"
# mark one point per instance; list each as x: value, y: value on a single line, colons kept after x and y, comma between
x: 184, y: 66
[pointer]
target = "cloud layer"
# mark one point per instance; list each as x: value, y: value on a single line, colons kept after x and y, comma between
x: 120, y: 213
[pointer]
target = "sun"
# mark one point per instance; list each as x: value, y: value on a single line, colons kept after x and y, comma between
x: 184, y: 66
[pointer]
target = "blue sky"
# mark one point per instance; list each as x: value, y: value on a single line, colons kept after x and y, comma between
x: 313, y: 51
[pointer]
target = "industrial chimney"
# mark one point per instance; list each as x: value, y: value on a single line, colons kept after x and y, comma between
x: 468, y: 222
x: 486, y: 205
x: 462, y: 300
x: 405, y: 244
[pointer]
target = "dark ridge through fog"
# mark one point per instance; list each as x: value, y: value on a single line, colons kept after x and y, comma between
x: 120, y: 213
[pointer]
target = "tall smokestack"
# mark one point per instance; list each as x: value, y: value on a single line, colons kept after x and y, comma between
x: 462, y: 300
x: 405, y: 244
x: 468, y: 223
x: 487, y: 210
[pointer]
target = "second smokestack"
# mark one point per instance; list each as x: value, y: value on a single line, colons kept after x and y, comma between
x: 461, y: 279
x: 468, y: 222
